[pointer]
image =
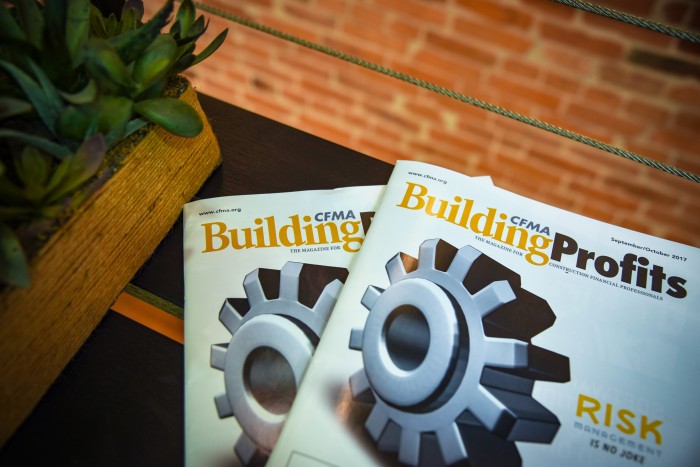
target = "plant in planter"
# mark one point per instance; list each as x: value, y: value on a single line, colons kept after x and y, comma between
x: 100, y: 146
x: 74, y: 83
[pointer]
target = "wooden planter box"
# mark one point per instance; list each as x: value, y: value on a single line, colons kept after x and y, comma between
x: 82, y: 269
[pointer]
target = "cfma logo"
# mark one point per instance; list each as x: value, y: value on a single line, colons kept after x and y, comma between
x: 448, y: 360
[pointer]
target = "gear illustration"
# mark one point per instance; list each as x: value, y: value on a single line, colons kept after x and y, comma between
x: 448, y: 360
x: 274, y: 332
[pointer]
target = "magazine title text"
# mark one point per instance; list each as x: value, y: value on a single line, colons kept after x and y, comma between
x: 538, y: 244
x: 323, y: 229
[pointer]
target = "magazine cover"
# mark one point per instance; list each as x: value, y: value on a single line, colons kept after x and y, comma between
x: 481, y: 328
x: 262, y: 273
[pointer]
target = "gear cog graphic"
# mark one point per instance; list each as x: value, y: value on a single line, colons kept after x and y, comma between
x: 274, y: 332
x: 448, y: 360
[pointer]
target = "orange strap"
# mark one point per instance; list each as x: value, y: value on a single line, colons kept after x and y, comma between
x: 150, y: 316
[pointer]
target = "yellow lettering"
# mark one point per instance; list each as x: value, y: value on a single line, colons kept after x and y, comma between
x: 416, y: 191
x: 625, y: 424
x: 209, y: 236
x: 589, y: 405
x: 652, y: 428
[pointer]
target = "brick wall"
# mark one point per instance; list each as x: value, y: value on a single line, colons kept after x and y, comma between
x: 620, y: 84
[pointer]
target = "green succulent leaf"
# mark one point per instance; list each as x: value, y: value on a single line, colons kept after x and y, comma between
x: 113, y: 113
x: 9, y: 29
x: 53, y: 98
x: 212, y: 47
x: 32, y: 22
x: 44, y: 144
x: 135, y: 7
x: 13, y: 263
x: 75, y: 123
x: 104, y: 64
x: 44, y: 107
x: 155, y: 62
x: 11, y: 106
x: 77, y: 27
x: 33, y: 167
x: 131, y: 44
x: 135, y: 125
x: 185, y: 17
x: 173, y: 115
x: 98, y: 28
x: 198, y: 28
x: 73, y: 171
x: 82, y: 96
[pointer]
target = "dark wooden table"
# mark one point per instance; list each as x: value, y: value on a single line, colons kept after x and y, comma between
x: 120, y: 400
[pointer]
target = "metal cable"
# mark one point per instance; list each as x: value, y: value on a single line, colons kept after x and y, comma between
x: 454, y: 94
x: 631, y: 19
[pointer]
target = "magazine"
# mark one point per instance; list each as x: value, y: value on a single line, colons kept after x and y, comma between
x: 262, y: 273
x: 482, y: 328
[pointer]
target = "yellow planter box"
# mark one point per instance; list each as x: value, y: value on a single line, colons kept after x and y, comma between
x: 82, y: 269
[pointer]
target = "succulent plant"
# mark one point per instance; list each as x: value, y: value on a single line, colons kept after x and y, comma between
x: 74, y: 81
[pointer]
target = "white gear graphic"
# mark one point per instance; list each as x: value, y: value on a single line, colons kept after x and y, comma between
x: 451, y: 370
x: 273, y: 335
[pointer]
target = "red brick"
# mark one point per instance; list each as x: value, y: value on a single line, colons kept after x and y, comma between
x: 528, y: 170
x: 563, y: 163
x: 456, y: 142
x: 581, y: 40
x: 494, y: 35
x: 333, y: 6
x: 566, y: 60
x: 595, y: 117
x: 561, y: 83
x: 643, y: 189
x: 420, y: 11
x: 364, y: 51
x: 268, y: 107
x: 440, y: 156
x: 290, y: 27
x: 626, y: 31
x: 652, y: 150
x: 392, y: 118
x: 320, y: 89
x: 663, y: 216
x: 445, y: 63
x: 688, y: 94
x: 650, y: 113
x: 365, y: 81
x: 377, y: 39
x: 383, y: 151
x: 695, y: 20
x: 675, y: 12
x: 367, y: 15
x: 676, y: 139
x: 460, y: 48
x: 555, y: 10
x: 689, y: 121
x: 635, y: 7
x: 424, y: 112
x: 689, y: 48
x: 430, y: 75
x: 602, y: 97
x: 310, y: 15
x: 521, y: 68
x: 689, y: 162
x: 403, y: 29
x: 604, y: 196
x: 497, y: 13
x: 321, y: 128
x: 630, y: 79
x: 525, y: 92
